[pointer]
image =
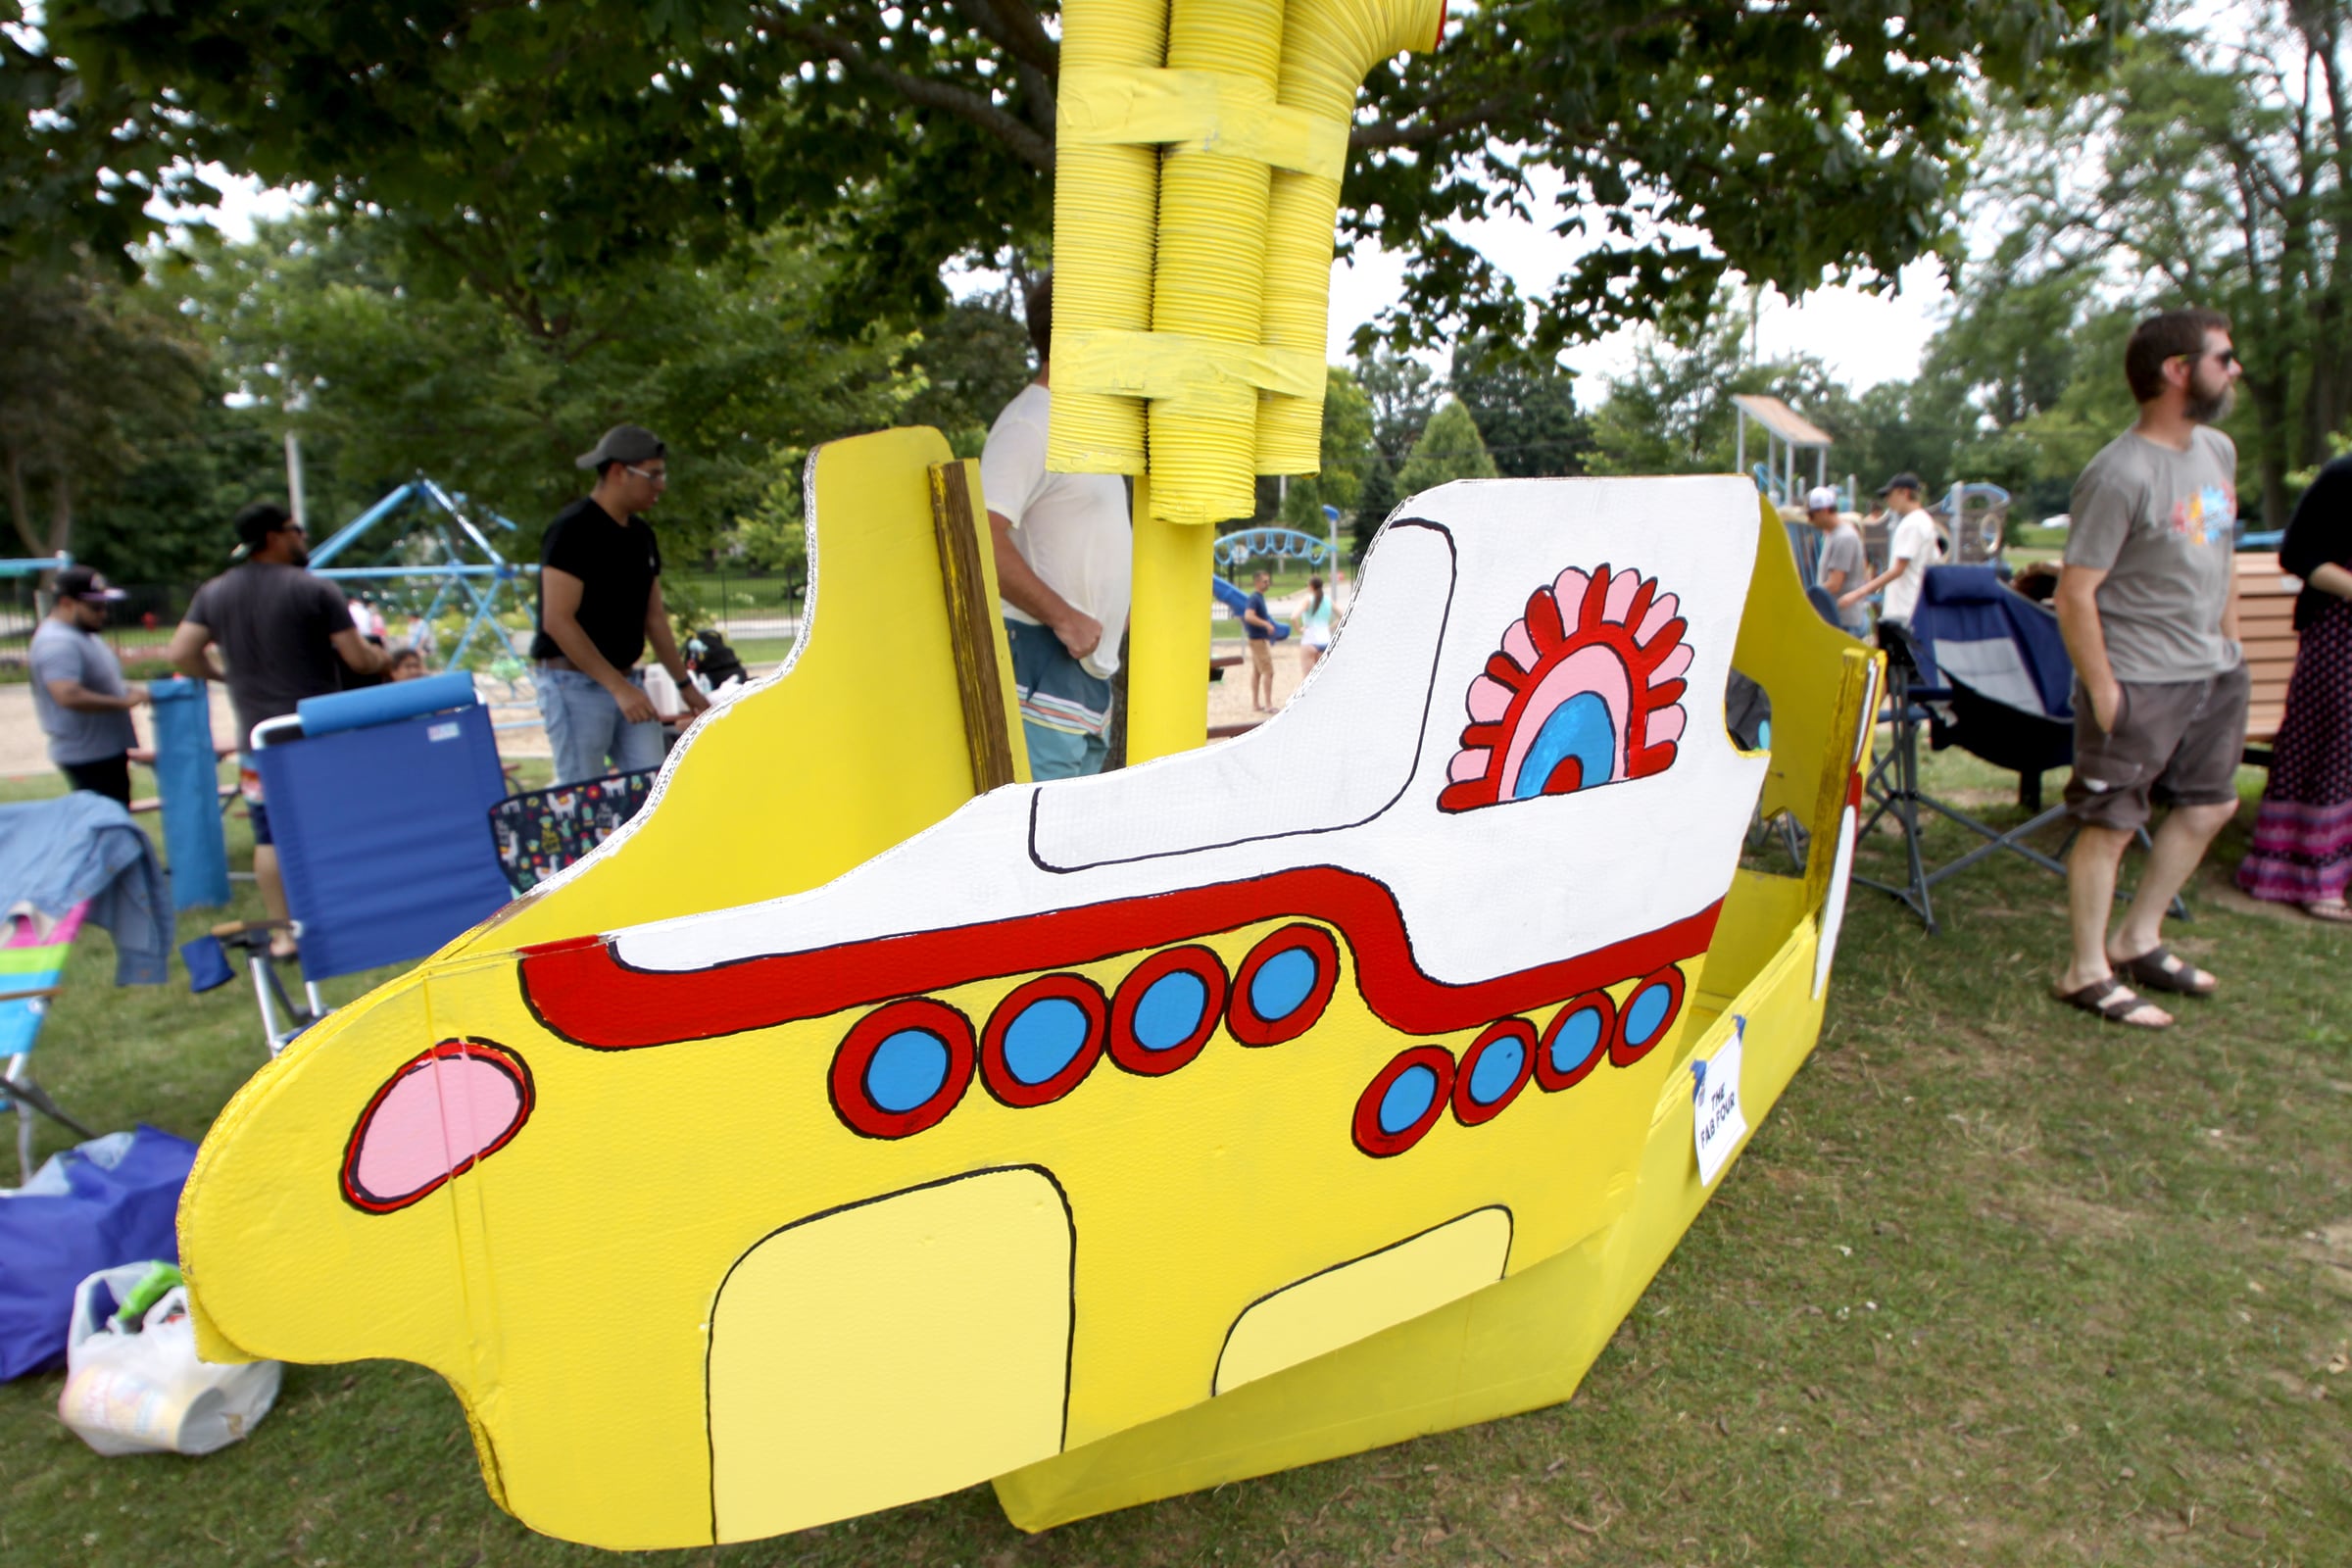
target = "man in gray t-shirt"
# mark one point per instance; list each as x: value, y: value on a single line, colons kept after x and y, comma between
x: 79, y: 691
x: 2147, y: 609
x: 1843, y: 565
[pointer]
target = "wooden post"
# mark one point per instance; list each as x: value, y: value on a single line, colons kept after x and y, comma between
x: 967, y: 573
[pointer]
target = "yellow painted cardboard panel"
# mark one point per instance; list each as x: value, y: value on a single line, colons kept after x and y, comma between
x: 855, y: 744
x: 1267, y: 948
x: 921, y: 1339
x: 1357, y: 1300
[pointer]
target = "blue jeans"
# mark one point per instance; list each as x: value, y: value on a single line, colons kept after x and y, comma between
x: 584, y: 726
x: 1058, y: 753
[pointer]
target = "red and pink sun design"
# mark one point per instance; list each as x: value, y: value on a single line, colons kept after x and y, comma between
x: 1586, y: 690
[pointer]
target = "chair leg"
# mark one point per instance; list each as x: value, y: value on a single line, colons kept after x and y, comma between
x: 1902, y: 801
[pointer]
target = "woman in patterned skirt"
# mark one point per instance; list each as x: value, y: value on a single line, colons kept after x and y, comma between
x: 2302, y: 849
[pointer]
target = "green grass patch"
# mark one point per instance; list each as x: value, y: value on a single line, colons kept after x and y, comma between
x: 1995, y: 1283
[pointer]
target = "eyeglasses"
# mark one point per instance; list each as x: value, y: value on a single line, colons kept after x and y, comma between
x: 2222, y: 357
x: 648, y: 475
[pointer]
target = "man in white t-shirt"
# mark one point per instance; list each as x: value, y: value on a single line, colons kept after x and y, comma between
x: 1911, y: 549
x: 1064, y: 558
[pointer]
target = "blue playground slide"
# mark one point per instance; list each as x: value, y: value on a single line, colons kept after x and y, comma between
x: 1235, y: 600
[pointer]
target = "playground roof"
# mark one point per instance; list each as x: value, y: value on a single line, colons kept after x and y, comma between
x: 1782, y: 421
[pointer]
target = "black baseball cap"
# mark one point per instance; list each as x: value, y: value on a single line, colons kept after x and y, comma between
x: 256, y: 521
x: 1905, y: 480
x: 80, y: 582
x: 623, y: 443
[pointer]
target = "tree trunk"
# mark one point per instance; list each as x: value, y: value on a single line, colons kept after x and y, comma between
x: 61, y: 513
x: 2268, y: 393
x: 19, y: 511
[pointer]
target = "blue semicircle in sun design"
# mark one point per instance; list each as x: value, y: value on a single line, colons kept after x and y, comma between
x: 1580, y: 730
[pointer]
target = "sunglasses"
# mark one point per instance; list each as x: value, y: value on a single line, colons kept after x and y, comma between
x: 2224, y: 357
x: 648, y: 475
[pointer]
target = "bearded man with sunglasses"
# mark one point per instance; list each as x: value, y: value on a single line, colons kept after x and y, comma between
x: 600, y: 603
x: 2148, y: 610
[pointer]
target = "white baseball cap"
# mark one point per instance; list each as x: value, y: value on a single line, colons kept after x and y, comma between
x: 1820, y: 498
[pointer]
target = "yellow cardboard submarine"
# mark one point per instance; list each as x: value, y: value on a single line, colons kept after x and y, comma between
x: 863, y: 1121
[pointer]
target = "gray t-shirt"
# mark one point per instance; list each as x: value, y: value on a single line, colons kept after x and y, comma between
x: 275, y: 626
x: 2161, y: 524
x: 1841, y: 551
x: 68, y: 653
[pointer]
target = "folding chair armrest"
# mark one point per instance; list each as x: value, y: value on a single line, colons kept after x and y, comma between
x: 237, y: 928
x: 43, y: 994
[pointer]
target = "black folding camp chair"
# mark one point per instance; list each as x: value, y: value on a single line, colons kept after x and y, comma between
x: 1984, y: 669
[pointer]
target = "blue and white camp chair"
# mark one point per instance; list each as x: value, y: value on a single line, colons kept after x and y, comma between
x: 1982, y: 667
x: 377, y: 800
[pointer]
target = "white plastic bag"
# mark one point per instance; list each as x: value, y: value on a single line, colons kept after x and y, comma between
x: 145, y: 1391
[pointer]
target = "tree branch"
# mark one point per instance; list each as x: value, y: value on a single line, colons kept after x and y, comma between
x: 1021, y: 140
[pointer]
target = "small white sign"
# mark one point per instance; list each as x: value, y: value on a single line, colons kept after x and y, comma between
x: 441, y: 732
x: 1718, y: 1123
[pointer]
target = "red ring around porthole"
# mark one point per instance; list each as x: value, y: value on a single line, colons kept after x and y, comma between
x: 1547, y: 1074
x: 1242, y: 1016
x: 848, y: 1079
x: 1468, y: 1110
x: 997, y: 1074
x: 1381, y: 1142
x: 428, y: 1128
x: 1625, y: 1053
x: 1131, y: 1052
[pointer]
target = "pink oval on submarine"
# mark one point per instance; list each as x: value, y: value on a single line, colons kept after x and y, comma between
x: 442, y: 1112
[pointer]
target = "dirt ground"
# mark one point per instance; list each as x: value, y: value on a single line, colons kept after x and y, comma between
x: 24, y: 750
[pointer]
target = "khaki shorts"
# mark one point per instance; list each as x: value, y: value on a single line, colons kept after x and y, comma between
x: 2174, y: 743
x: 1261, y: 654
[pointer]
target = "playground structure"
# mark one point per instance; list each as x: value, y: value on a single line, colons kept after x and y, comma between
x: 1786, y: 432
x: 1399, y: 1001
x: 468, y: 568
x: 1977, y: 516
x: 1244, y: 546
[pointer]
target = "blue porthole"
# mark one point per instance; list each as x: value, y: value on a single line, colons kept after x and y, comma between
x: 1403, y: 1101
x: 1408, y: 1099
x: 1496, y: 1072
x: 1169, y: 1010
x: 1494, y: 1068
x: 1165, y: 1009
x: 1649, y: 1014
x: 901, y: 1067
x: 1283, y: 983
x: 1579, y: 1036
x: 905, y: 1071
x: 1043, y: 1039
x: 1283, y: 986
x: 1648, y: 1010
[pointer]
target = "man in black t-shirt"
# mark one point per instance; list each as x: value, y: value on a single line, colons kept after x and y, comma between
x: 286, y: 635
x: 600, y: 600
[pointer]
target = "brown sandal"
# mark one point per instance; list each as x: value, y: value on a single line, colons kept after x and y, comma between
x: 2110, y: 999
x: 2160, y: 968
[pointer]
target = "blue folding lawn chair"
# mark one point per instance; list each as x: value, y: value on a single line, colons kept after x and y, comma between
x: 377, y: 800
x: 1982, y: 667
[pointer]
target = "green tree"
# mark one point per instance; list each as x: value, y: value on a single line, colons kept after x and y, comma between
x: 1402, y: 391
x: 2217, y: 174
x: 1349, y: 454
x: 1449, y: 449
x: 95, y: 375
x: 966, y: 364
x: 325, y: 326
x: 1673, y: 413
x: 538, y: 147
x: 1524, y: 408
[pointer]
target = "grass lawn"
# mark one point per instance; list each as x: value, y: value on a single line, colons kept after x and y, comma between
x: 1995, y: 1283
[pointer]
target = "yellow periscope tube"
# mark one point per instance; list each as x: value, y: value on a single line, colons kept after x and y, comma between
x: 1327, y: 51
x: 1237, y: 283
x: 1106, y: 209
x: 1212, y: 268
